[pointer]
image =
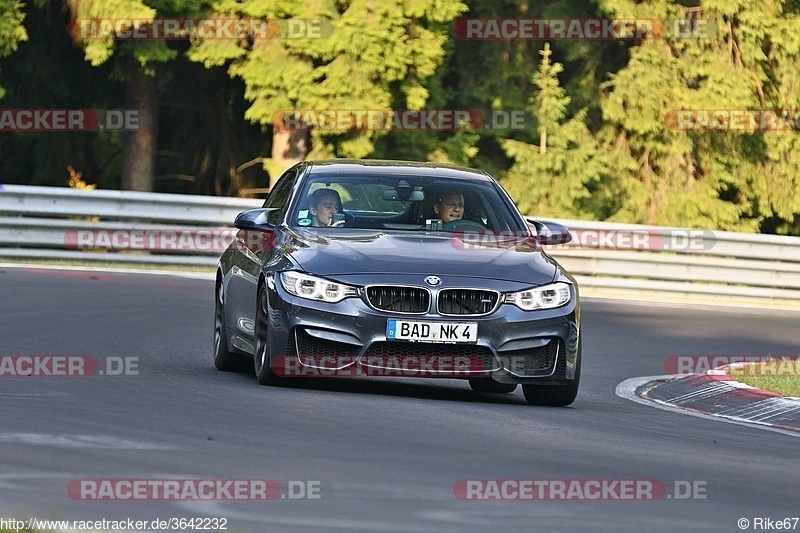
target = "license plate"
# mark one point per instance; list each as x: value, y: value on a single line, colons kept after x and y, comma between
x: 447, y: 332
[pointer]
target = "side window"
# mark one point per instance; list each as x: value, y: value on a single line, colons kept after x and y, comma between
x: 279, y: 195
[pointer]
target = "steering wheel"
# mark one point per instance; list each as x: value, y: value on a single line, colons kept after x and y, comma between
x: 462, y: 224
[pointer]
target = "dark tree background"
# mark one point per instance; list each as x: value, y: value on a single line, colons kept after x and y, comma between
x: 598, y: 143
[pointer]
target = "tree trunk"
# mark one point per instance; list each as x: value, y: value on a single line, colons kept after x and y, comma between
x: 288, y: 148
x: 139, y: 145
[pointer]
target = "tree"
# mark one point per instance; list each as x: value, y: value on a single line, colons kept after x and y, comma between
x: 11, y: 29
x: 569, y: 174
x: 373, y: 55
x: 748, y: 59
x: 137, y: 64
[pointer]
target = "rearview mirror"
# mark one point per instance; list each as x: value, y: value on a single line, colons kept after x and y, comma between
x: 392, y: 195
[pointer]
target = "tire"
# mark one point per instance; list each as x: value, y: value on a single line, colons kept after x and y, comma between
x: 555, y: 395
x: 491, y: 386
x: 262, y: 358
x: 224, y: 359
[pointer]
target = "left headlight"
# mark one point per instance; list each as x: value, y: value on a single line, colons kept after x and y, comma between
x: 314, y: 288
x: 545, y: 297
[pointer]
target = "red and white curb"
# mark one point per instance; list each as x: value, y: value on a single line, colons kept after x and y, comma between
x: 715, y: 394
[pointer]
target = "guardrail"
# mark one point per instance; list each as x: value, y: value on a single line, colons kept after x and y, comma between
x: 676, y: 263
x: 607, y: 259
x: 49, y: 223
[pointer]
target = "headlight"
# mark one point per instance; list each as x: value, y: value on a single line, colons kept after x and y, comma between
x: 314, y: 288
x: 546, y: 297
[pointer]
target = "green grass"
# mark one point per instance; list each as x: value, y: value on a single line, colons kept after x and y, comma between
x: 781, y: 376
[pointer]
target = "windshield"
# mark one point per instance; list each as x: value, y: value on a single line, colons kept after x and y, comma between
x: 410, y: 203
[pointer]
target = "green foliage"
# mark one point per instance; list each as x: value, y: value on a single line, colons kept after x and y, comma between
x: 731, y: 179
x: 377, y: 56
x: 99, y: 50
x: 550, y: 103
x: 604, y: 143
x: 569, y: 174
x: 11, y: 29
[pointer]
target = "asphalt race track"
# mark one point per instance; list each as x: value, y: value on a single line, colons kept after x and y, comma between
x: 388, y: 452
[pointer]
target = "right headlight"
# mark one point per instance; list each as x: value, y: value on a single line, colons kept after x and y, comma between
x: 544, y: 297
x: 314, y: 288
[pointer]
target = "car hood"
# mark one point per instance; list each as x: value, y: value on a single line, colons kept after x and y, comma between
x: 349, y: 252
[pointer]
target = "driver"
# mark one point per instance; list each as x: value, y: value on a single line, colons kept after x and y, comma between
x: 323, y: 203
x: 450, y: 207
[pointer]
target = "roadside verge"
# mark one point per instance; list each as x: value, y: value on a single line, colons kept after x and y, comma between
x: 717, y: 395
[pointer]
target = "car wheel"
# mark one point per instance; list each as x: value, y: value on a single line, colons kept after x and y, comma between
x: 555, y: 395
x: 492, y: 386
x: 262, y: 358
x: 223, y: 358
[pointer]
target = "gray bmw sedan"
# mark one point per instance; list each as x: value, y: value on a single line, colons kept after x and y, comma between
x: 359, y: 268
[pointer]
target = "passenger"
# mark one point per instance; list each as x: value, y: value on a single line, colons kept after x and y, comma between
x: 450, y: 207
x: 322, y: 205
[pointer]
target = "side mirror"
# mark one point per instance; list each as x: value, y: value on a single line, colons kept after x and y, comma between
x: 549, y: 233
x: 255, y: 219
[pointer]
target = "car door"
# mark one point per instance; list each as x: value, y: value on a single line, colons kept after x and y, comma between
x: 252, y: 249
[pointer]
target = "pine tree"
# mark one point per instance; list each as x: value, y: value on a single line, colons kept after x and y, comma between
x: 569, y: 174
x: 749, y: 59
x: 376, y: 55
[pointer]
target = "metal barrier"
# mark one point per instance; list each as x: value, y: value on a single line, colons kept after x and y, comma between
x: 678, y: 263
x: 46, y: 223
x: 49, y: 223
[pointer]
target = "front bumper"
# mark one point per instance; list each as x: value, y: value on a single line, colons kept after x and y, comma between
x: 348, y: 338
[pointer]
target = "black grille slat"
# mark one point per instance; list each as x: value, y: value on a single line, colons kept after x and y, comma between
x: 534, y: 361
x: 310, y: 347
x: 561, y: 364
x: 467, y: 301
x: 399, y: 299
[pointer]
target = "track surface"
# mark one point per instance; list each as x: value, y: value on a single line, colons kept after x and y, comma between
x: 391, y: 450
